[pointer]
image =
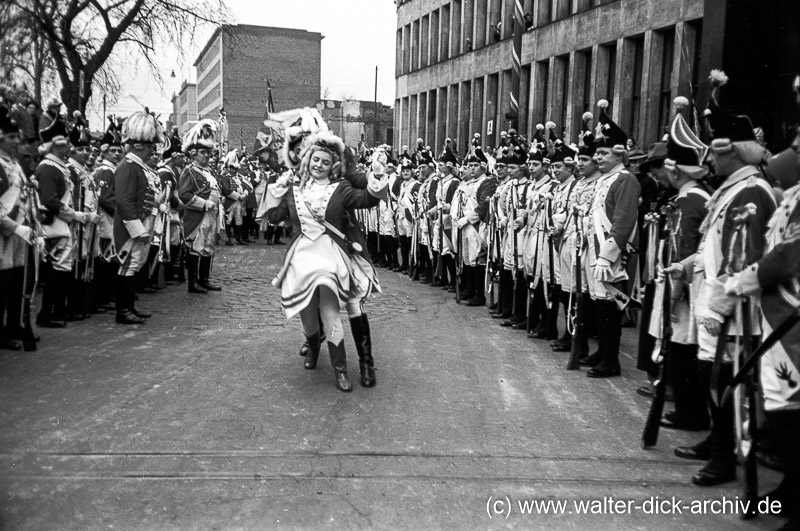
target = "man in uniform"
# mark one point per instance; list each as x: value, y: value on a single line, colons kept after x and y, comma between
x: 734, y: 154
x: 404, y: 213
x: 611, y: 228
x: 80, y: 300
x: 233, y: 193
x: 111, y: 154
x: 776, y: 277
x: 443, y: 228
x: 513, y: 200
x: 61, y: 218
x: 472, y: 225
x: 582, y: 196
x: 17, y: 233
x: 200, y: 192
x: 173, y: 162
x: 687, y: 209
x: 136, y: 187
x: 387, y: 233
x: 535, y: 241
x: 563, y: 166
x: 425, y: 198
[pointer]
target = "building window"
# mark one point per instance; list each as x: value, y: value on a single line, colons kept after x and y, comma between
x: 434, y: 36
x: 545, y: 11
x: 638, y: 65
x: 665, y: 88
x: 541, y: 85
x: 610, y: 51
x: 444, y: 45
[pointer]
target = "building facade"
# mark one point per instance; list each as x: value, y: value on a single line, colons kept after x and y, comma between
x: 238, y: 62
x: 354, y: 121
x: 453, y: 66
x: 184, y: 107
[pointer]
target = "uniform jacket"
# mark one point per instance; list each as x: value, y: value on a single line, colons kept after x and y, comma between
x: 135, y: 196
x: 16, y: 196
x: 195, y: 188
x: 55, y: 197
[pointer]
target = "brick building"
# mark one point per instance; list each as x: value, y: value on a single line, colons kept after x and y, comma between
x: 453, y: 64
x: 184, y: 107
x: 237, y: 62
x: 354, y: 121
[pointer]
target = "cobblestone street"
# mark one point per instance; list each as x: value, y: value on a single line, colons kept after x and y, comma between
x: 204, y: 418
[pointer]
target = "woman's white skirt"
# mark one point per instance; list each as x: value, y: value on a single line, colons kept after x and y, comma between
x: 314, y: 263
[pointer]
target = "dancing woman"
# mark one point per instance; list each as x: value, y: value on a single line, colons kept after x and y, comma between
x: 323, y: 269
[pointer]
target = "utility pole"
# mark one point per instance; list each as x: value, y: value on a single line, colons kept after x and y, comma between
x: 375, y: 117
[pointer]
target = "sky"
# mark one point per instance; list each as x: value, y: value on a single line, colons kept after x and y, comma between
x: 358, y: 36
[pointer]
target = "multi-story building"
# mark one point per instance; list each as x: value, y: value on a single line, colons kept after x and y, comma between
x: 238, y: 62
x: 354, y: 121
x: 184, y: 107
x: 454, y: 63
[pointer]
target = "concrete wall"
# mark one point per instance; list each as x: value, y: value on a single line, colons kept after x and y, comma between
x: 573, y: 42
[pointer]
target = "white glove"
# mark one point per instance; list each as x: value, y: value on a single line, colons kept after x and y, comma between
x: 92, y: 217
x: 519, y: 223
x: 284, y: 180
x: 210, y: 205
x: 732, y: 285
x: 712, y: 325
x: 24, y: 232
x: 162, y: 207
x: 377, y: 167
x: 675, y: 270
x: 602, y: 270
x: 461, y: 222
x: 80, y: 217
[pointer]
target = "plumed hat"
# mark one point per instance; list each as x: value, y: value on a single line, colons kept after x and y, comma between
x: 516, y: 155
x: 564, y: 153
x: 54, y: 134
x: 684, y: 150
x: 79, y: 134
x: 586, y: 145
x: 231, y: 160
x: 725, y: 127
x: 607, y: 133
x: 111, y: 137
x: 500, y: 154
x: 447, y: 156
x: 201, y: 135
x: 538, y: 148
x: 297, y: 125
x: 143, y: 127
x: 171, y: 146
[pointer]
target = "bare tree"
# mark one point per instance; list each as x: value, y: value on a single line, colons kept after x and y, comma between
x: 24, y: 58
x: 82, y: 35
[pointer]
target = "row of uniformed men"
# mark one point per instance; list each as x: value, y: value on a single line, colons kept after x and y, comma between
x: 537, y: 219
x: 102, y: 232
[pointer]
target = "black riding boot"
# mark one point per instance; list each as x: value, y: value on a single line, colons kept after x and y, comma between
x: 363, y: 339
x: 339, y: 364
x: 205, y: 273
x: 192, y: 264
x: 312, y: 353
x: 610, y: 330
x: 126, y: 291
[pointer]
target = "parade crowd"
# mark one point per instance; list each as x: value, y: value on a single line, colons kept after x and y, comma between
x: 697, y: 243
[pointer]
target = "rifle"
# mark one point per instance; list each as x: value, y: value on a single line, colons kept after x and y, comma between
x: 162, y: 256
x: 459, y: 251
x: 651, y: 427
x: 30, y: 273
x: 439, y: 259
x: 487, y: 277
x: 548, y: 220
x: 577, y: 324
x: 514, y: 243
x: 81, y: 205
x: 747, y: 452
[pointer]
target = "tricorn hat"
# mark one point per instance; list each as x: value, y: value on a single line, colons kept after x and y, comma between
x: 608, y: 133
x: 447, y: 155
